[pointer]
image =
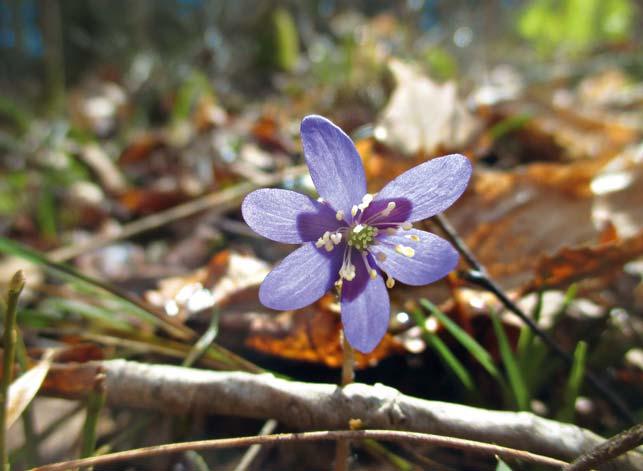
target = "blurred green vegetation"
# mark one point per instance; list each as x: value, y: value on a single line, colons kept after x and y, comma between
x: 575, y: 26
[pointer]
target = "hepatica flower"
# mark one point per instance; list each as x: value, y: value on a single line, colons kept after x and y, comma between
x: 360, y: 241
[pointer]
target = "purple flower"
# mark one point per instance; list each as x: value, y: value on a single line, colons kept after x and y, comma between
x: 361, y: 241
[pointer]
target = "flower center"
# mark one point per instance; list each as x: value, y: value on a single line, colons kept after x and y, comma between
x: 362, y: 236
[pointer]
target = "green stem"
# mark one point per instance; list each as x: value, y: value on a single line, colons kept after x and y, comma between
x: 31, y: 438
x: 95, y: 403
x: 348, y: 362
x: 15, y: 288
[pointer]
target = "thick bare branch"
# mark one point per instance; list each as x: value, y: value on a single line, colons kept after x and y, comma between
x: 309, y: 406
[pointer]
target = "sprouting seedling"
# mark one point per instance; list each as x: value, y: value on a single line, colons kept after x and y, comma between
x: 359, y: 241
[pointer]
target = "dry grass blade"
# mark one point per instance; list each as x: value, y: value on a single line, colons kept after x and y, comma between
x: 24, y: 389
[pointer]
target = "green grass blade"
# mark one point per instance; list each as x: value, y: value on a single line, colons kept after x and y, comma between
x: 502, y: 466
x: 205, y: 341
x: 574, y: 382
x: 469, y: 343
x: 526, y: 338
x: 66, y: 272
x: 443, y: 351
x: 516, y: 380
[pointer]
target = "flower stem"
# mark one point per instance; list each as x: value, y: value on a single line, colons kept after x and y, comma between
x: 348, y: 361
x: 15, y: 288
x: 348, y: 375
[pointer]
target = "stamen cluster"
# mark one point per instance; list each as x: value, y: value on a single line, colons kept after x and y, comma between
x: 361, y: 235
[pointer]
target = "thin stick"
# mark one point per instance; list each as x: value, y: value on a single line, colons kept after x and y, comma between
x: 15, y: 288
x: 615, y: 446
x: 480, y: 277
x: 384, y: 435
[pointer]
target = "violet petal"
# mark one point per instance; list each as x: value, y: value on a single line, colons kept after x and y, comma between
x: 333, y: 161
x: 430, y: 187
x: 301, y: 278
x: 365, y: 315
x: 433, y: 259
x: 286, y: 216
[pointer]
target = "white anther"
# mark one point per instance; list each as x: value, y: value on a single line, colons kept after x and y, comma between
x: 407, y: 225
x: 347, y: 271
x: 321, y: 200
x: 413, y: 237
x: 328, y: 240
x: 380, y: 256
x: 404, y: 250
x: 339, y: 215
x: 353, y: 211
x: 389, y: 209
x: 367, y: 199
x: 357, y: 229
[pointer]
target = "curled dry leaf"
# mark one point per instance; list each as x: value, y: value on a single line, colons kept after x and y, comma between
x: 573, y: 264
x: 405, y: 123
x: 24, y: 389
